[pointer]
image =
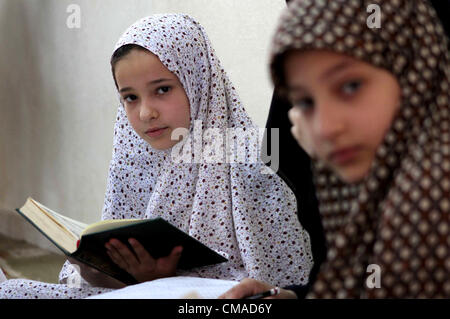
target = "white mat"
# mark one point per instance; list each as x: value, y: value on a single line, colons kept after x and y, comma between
x: 179, y: 287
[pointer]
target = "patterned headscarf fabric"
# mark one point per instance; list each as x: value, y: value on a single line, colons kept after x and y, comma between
x: 395, y: 223
x: 237, y: 210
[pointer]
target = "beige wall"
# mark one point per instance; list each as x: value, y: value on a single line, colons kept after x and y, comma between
x: 57, y: 97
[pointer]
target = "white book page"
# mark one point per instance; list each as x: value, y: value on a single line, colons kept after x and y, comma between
x: 179, y: 287
x: 72, y: 225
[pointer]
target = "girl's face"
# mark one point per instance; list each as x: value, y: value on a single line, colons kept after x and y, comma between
x: 153, y: 97
x: 342, y: 110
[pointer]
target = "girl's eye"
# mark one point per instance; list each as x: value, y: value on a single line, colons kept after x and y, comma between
x: 351, y: 87
x: 305, y: 103
x: 163, y: 89
x: 129, y: 96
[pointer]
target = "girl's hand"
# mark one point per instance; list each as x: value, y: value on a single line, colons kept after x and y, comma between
x: 249, y: 287
x: 95, y: 277
x: 139, y: 263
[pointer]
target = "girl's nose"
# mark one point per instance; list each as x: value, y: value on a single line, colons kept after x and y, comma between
x: 147, y: 112
x: 329, y: 121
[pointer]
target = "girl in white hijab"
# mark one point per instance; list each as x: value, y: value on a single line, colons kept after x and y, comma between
x: 171, y: 83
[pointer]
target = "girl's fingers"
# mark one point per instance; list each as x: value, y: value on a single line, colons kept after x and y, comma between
x: 169, y: 264
x: 175, y: 256
x: 123, y: 255
x: 142, y: 254
x: 116, y: 257
x: 139, y: 263
x: 246, y: 287
x: 126, y: 253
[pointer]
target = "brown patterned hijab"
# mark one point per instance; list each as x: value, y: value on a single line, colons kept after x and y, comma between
x: 388, y: 236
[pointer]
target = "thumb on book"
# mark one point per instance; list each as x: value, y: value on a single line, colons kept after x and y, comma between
x: 177, y: 250
x: 174, y: 257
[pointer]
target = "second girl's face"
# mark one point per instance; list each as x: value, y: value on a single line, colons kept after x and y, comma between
x: 342, y: 110
x: 154, y: 98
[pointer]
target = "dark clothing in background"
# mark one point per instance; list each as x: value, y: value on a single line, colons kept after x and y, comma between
x: 442, y: 8
x: 294, y: 169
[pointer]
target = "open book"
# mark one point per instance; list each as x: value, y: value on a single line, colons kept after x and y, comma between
x: 86, y: 243
x: 180, y: 287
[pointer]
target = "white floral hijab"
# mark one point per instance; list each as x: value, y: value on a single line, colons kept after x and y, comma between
x: 245, y: 215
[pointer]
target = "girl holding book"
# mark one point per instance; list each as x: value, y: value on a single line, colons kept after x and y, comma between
x: 371, y: 107
x: 171, y: 86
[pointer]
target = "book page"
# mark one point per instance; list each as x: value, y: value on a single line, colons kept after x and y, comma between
x: 109, y: 224
x: 56, y: 232
x: 72, y: 225
x: 79, y: 228
x: 179, y: 287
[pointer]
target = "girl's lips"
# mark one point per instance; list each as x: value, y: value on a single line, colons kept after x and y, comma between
x: 344, y: 155
x: 155, y: 132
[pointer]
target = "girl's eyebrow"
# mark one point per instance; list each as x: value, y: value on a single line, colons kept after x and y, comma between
x: 157, y: 81
x: 336, y: 69
x: 295, y: 89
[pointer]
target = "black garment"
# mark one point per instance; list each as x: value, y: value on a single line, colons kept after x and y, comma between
x: 442, y: 8
x: 294, y: 169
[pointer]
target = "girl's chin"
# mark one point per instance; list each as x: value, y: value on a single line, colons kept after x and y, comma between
x: 351, y: 179
x: 161, y: 145
x: 352, y: 175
